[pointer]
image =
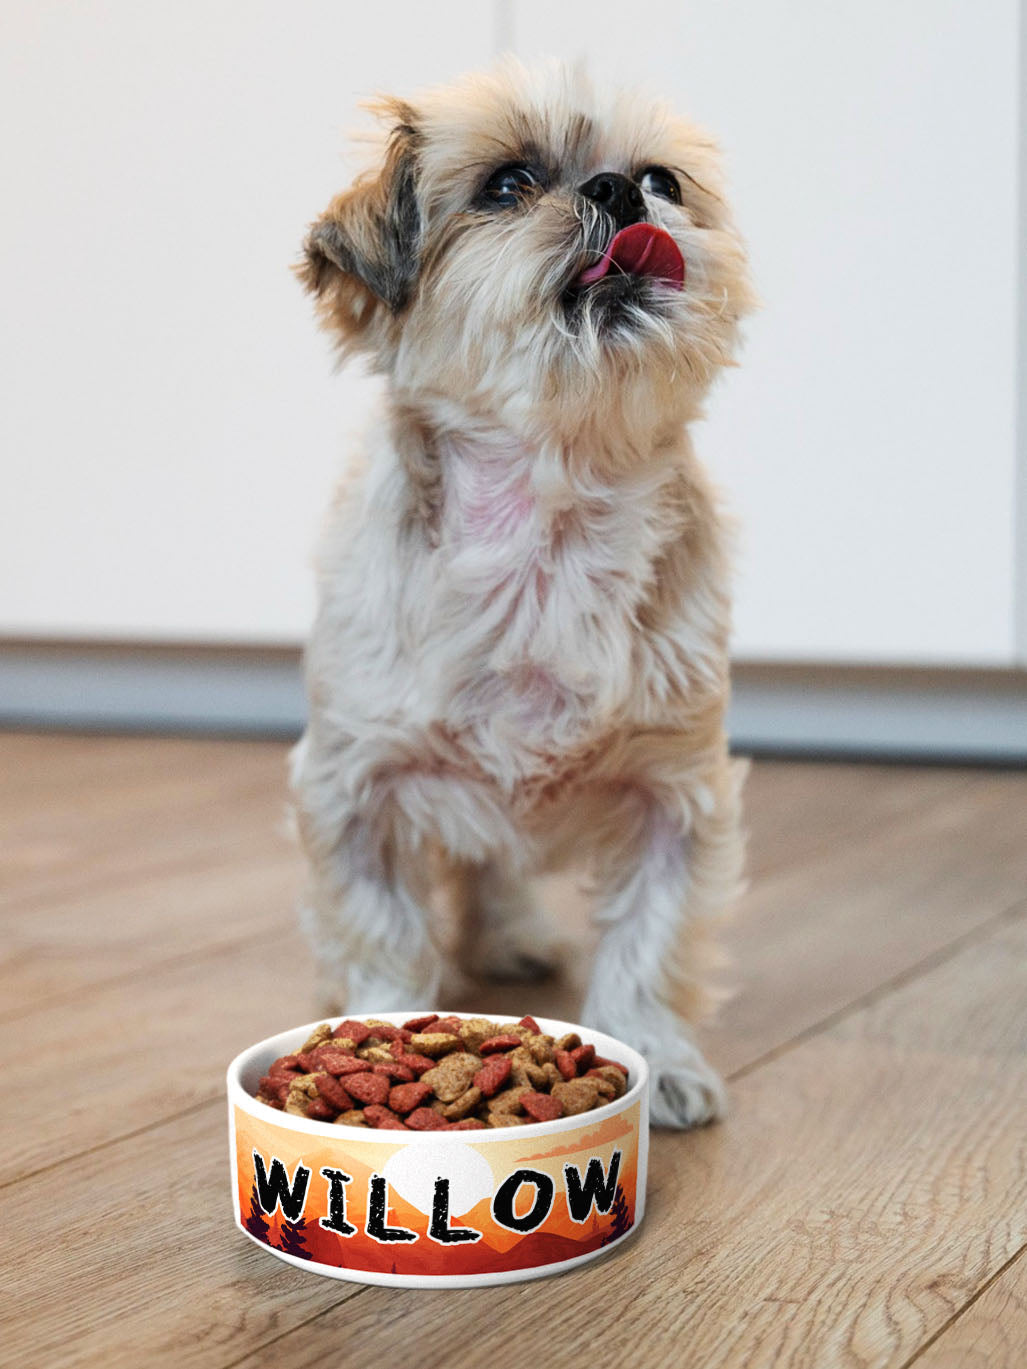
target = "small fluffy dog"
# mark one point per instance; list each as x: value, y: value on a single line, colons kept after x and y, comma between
x: 520, y: 655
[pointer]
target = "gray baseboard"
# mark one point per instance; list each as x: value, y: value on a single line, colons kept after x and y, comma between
x: 788, y: 710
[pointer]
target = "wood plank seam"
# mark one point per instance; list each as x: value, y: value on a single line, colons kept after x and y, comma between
x: 979, y: 1293
x: 114, y: 1140
x: 210, y: 950
x: 771, y: 869
x: 981, y: 932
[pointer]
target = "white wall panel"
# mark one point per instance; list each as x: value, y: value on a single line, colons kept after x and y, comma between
x: 169, y: 427
x: 868, y: 442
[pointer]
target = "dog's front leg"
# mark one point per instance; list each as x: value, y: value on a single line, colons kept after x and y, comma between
x: 365, y: 917
x: 661, y: 879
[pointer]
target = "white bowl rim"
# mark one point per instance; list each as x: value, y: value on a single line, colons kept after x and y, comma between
x: 286, y: 1042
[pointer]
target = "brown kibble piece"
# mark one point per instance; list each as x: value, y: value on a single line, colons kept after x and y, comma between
x: 452, y: 1075
x: 568, y: 1042
x: 613, y: 1076
x: 434, y: 1044
x: 319, y: 1034
x: 541, y: 1048
x: 601, y: 1060
x: 461, y: 1107
x: 576, y: 1095
x: 353, y: 1118
x: 301, y: 1090
x: 468, y: 1124
x: 376, y: 1055
x: 475, y: 1030
x: 507, y: 1101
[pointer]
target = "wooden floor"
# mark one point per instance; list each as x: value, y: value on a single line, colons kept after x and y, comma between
x: 865, y: 1204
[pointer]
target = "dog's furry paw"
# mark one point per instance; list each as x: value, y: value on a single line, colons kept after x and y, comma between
x: 686, y: 1093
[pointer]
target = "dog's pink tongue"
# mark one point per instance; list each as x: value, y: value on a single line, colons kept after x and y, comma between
x: 641, y: 249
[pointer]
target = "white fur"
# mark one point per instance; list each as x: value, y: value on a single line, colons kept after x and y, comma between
x: 520, y: 651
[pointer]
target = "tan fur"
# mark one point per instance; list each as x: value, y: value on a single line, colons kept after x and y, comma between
x: 520, y: 656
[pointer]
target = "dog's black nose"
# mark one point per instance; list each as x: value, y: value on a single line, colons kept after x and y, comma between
x: 619, y: 196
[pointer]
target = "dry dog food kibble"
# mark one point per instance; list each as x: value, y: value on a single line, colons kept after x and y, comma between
x: 440, y: 1074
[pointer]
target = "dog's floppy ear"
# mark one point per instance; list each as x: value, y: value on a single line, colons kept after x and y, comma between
x: 361, y: 256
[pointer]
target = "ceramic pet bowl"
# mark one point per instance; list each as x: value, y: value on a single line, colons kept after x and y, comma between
x: 431, y: 1209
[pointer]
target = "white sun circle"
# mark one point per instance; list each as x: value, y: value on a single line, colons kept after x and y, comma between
x: 412, y: 1172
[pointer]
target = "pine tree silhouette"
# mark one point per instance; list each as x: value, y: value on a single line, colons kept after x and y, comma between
x: 255, y: 1223
x: 290, y: 1239
x: 621, y: 1218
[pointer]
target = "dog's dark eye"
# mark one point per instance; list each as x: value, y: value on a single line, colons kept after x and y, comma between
x: 657, y: 180
x: 509, y: 186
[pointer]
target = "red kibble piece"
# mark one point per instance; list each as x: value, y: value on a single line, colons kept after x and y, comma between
x: 468, y: 1124
x: 601, y: 1060
x: 285, y: 1062
x: 402, y: 1074
x: 583, y: 1057
x: 383, y: 1118
x: 451, y: 1025
x: 405, y: 1097
x: 306, y: 1062
x: 320, y: 1111
x: 418, y: 1063
x: 388, y: 1033
x: 543, y: 1107
x: 493, y: 1075
x: 531, y: 1025
x: 276, y: 1086
x: 332, y: 1092
x: 418, y: 1024
x: 368, y: 1088
x: 356, y: 1031
x: 426, y: 1119
x: 506, y: 1042
x: 566, y: 1064
x: 338, y: 1062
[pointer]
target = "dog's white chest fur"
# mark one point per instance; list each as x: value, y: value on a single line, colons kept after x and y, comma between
x: 538, y: 573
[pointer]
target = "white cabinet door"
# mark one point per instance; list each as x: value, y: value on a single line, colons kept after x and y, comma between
x: 169, y: 427
x: 868, y: 442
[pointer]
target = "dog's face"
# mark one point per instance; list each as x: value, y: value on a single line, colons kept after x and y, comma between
x: 529, y: 246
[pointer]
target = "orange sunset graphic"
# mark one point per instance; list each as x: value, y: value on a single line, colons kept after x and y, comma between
x: 440, y: 1206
